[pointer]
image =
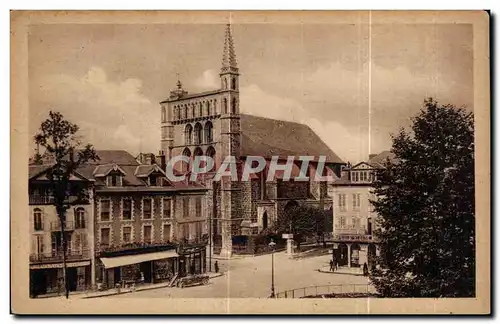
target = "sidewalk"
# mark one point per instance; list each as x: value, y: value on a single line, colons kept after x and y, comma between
x: 342, y: 270
x: 114, y: 291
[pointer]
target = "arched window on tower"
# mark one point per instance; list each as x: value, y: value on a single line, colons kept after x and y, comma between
x: 225, y: 83
x: 163, y: 114
x: 201, y: 109
x: 211, y: 153
x: 197, y: 133
x: 185, y: 166
x: 225, y: 105
x: 208, y: 132
x: 208, y: 108
x: 188, y: 134
x: 233, y: 106
x: 233, y: 84
x: 192, y: 111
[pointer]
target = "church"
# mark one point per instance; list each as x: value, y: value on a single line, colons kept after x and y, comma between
x: 210, y: 124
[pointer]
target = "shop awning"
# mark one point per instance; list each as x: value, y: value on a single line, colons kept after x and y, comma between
x: 137, y: 258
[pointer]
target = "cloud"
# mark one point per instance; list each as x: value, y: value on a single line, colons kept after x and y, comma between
x: 208, y: 80
x: 112, y: 114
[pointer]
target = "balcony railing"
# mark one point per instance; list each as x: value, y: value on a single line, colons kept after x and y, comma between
x: 40, y: 200
x: 350, y: 229
x: 56, y: 226
x: 57, y: 256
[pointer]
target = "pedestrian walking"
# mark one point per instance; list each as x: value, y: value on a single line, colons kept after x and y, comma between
x: 331, y: 266
x: 365, y: 269
x: 216, y: 266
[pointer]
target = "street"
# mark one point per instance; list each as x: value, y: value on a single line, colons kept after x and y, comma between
x: 251, y: 277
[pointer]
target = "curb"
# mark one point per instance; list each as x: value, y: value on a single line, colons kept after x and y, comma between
x: 341, y: 273
x: 220, y: 274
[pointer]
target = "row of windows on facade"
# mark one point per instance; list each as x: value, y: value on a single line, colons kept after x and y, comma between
x: 198, y: 134
x: 116, y: 180
x: 362, y: 176
x: 147, y: 208
x: 148, y: 233
x: 75, y: 243
x: 38, y: 220
x: 199, y: 109
x: 355, y: 224
x: 342, y: 201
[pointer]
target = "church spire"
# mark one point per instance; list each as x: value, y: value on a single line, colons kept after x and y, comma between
x: 228, y: 55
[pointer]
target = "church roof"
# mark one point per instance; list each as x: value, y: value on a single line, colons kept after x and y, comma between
x: 269, y: 137
x: 379, y: 159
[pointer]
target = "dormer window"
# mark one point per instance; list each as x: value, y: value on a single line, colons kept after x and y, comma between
x: 153, y: 180
x: 114, y: 180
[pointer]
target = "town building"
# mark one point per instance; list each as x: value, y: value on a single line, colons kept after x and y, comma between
x: 140, y: 219
x: 46, y: 254
x: 136, y: 227
x: 354, y: 219
x: 211, y: 124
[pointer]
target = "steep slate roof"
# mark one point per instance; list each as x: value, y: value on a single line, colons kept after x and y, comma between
x: 267, y: 137
x: 379, y: 160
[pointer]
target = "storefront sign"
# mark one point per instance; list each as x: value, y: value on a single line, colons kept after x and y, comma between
x: 60, y: 265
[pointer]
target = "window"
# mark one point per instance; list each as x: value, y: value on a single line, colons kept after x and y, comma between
x: 148, y: 231
x: 201, y: 109
x: 39, y: 246
x: 105, y: 236
x: 225, y: 105
x: 105, y: 210
x: 356, y: 203
x: 208, y: 132
x: 188, y: 134
x: 208, y: 108
x: 166, y: 232
x: 199, y: 231
x: 114, y: 180
x: 342, y: 221
x: 127, y: 234
x: 166, y: 208
x: 38, y: 219
x: 356, y: 222
x: 185, y: 230
x: 185, y: 112
x: 198, y: 206
x: 163, y: 115
x: 233, y: 84
x: 153, y: 181
x: 146, y: 208
x: 197, y: 133
x: 127, y: 209
x: 342, y: 202
x: 185, y: 206
x: 233, y: 105
x: 80, y: 217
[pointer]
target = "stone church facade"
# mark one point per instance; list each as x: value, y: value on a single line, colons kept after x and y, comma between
x: 211, y: 124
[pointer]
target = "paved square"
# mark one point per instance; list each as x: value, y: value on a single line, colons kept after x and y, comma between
x: 251, y: 277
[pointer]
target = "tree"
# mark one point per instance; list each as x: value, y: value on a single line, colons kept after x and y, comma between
x: 425, y: 207
x: 301, y: 221
x: 58, y: 137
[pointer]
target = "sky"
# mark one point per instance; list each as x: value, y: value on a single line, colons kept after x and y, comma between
x: 352, y: 84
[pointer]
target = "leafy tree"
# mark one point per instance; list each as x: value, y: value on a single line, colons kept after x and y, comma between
x: 425, y: 203
x: 58, y: 137
x: 301, y: 221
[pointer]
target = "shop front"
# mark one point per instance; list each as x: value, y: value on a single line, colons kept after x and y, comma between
x: 48, y: 278
x: 152, y: 267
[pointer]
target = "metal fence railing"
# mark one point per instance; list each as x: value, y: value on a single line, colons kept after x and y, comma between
x: 326, y: 289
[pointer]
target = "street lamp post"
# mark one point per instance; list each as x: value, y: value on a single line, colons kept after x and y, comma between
x: 272, y: 245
